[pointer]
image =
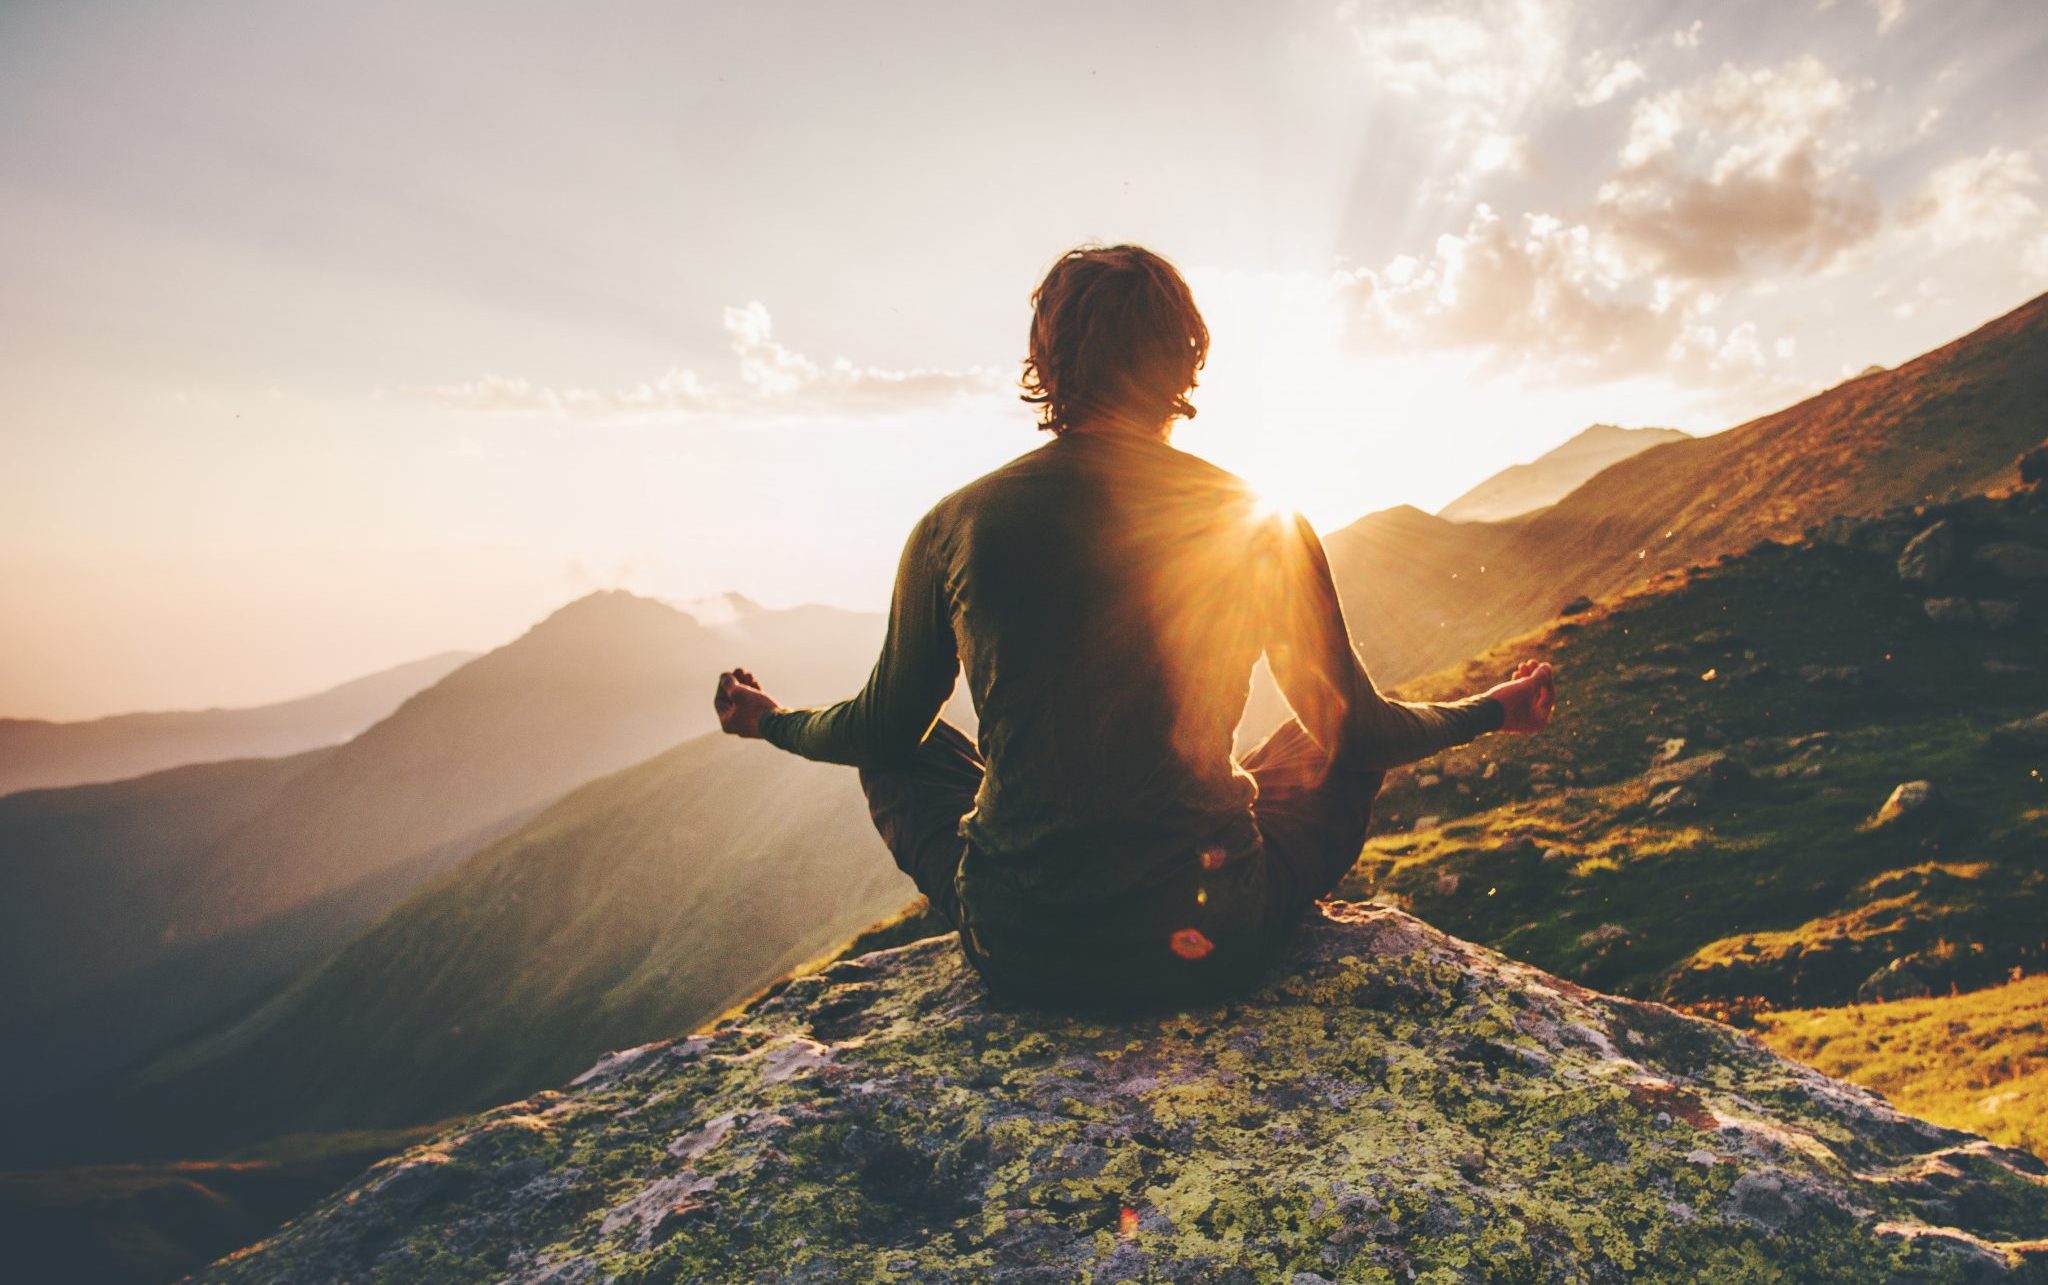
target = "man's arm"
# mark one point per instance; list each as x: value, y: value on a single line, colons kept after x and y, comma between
x: 911, y: 680
x: 1309, y: 649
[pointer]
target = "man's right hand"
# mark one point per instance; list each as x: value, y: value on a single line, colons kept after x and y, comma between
x: 1528, y: 697
x: 740, y: 702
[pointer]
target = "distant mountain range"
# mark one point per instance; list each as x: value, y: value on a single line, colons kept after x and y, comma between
x: 131, y: 912
x: 1524, y: 488
x: 40, y: 755
x: 1422, y: 592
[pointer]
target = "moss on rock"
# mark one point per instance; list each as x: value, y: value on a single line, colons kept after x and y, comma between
x: 1391, y: 1104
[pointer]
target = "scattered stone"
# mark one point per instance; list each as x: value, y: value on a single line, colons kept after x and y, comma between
x: 1428, y: 823
x: 1671, y: 798
x: 1492, y: 770
x: 2021, y: 736
x: 1900, y: 979
x: 1669, y: 750
x: 1556, y: 854
x: 1929, y: 555
x: 1950, y: 611
x: 1428, y: 781
x: 1908, y: 799
x: 1702, y: 774
x: 2014, y: 561
x: 1575, y: 606
x: 1605, y: 938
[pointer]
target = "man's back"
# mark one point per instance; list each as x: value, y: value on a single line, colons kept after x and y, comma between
x: 1104, y: 598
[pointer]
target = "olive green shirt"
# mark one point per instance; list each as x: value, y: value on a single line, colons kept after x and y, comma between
x: 1107, y: 597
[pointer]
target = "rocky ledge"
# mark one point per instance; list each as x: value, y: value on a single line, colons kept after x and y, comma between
x: 1393, y: 1104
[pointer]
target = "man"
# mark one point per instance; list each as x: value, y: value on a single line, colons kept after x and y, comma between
x: 1107, y: 597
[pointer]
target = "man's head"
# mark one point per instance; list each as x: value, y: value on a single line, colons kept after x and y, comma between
x: 1115, y: 341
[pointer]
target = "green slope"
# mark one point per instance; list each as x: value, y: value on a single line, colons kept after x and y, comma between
x: 638, y: 906
x: 1820, y: 675
x: 1976, y: 1061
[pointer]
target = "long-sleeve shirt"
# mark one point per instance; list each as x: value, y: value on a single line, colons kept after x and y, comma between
x: 1107, y: 597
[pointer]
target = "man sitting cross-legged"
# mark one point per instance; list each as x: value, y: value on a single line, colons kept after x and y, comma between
x: 1107, y: 596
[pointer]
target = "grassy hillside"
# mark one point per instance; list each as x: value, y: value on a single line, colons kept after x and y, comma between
x: 1976, y: 1061
x: 638, y: 906
x: 1790, y: 689
x: 39, y: 755
x: 1524, y: 488
x: 135, y: 911
x: 1423, y: 593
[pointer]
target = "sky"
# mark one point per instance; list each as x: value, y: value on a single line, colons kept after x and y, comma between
x: 333, y: 335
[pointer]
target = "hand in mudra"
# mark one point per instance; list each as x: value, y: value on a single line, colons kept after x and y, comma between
x: 1528, y: 697
x: 740, y: 702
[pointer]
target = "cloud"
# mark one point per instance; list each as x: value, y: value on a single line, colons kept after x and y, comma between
x: 1983, y: 198
x: 1739, y: 169
x: 1482, y: 67
x: 1554, y: 301
x: 1605, y: 79
x: 772, y: 379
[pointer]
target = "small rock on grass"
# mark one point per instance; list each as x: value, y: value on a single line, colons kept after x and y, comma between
x: 1908, y: 799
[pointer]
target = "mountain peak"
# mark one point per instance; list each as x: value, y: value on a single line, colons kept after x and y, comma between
x: 1391, y: 1101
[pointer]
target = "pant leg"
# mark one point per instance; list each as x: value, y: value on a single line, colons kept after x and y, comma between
x: 1313, y: 819
x: 917, y: 809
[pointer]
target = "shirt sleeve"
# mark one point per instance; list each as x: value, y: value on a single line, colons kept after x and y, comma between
x: 1309, y: 648
x: 888, y: 719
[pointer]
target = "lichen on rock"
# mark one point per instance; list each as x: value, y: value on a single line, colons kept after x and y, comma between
x: 1389, y: 1104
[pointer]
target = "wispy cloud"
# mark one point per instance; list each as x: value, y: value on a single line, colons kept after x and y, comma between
x: 771, y: 378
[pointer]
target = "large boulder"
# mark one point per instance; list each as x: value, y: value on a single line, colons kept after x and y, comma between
x: 1929, y: 555
x: 1390, y: 1104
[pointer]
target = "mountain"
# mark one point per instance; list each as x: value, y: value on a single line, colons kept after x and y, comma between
x: 1699, y: 825
x: 1389, y: 1101
x: 1524, y: 488
x: 134, y: 911
x: 40, y: 755
x: 1423, y: 592
x: 643, y: 903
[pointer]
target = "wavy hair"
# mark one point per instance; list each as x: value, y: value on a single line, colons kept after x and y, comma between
x: 1115, y: 335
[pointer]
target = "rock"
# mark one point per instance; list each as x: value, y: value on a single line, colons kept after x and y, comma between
x: 1492, y: 770
x: 1428, y: 781
x: 1928, y: 556
x: 1577, y: 605
x: 2011, y: 560
x: 1702, y: 774
x: 1430, y: 822
x: 2022, y: 735
x: 1909, y: 799
x: 1672, y: 798
x: 1997, y: 613
x: 2033, y: 465
x: 1387, y: 1100
x: 1900, y: 979
x: 1669, y: 750
x: 1950, y: 611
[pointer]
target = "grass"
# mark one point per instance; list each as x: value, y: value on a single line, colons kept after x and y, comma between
x: 1976, y: 1061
